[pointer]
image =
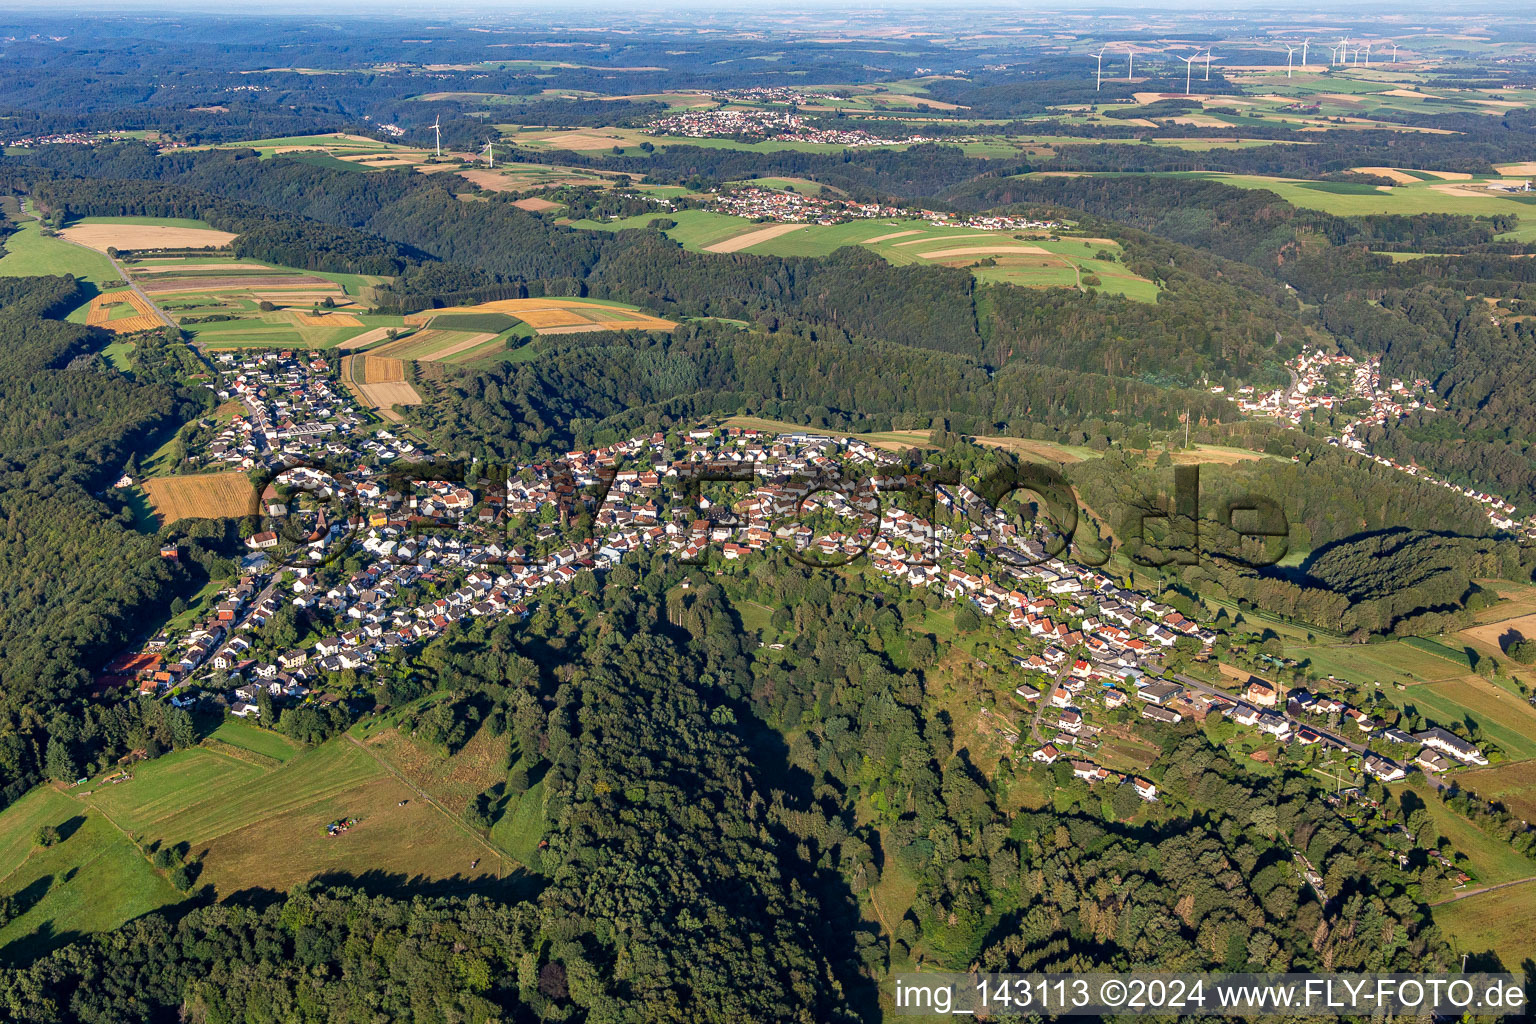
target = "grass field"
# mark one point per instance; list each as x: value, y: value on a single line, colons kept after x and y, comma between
x: 1513, y: 785
x: 1498, y: 922
x: 1365, y: 663
x: 1491, y: 860
x: 29, y: 254
x: 251, y: 806
x: 1500, y: 715
x: 1029, y: 259
x: 1432, y: 196
x: 94, y: 880
x: 199, y: 496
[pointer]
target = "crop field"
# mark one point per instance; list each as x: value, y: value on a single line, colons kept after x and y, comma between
x: 1497, y: 922
x: 199, y: 496
x: 492, y: 322
x: 1025, y: 258
x: 432, y: 345
x: 122, y: 312
x: 139, y: 233
x: 381, y: 395
x: 554, y: 316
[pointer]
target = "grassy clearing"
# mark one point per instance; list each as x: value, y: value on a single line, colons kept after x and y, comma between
x: 1513, y: 785
x: 251, y: 806
x: 1365, y: 663
x: 94, y: 880
x: 1491, y: 861
x: 29, y: 254
x: 261, y: 741
x: 1497, y: 922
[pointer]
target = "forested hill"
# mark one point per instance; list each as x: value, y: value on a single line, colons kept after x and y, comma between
x: 76, y: 579
x: 1427, y: 318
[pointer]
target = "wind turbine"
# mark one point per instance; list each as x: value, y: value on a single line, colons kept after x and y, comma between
x: 1189, y: 63
x: 1304, y: 44
x: 438, y: 132
x: 490, y: 153
x: 1130, y: 68
x: 1207, y: 65
x: 1289, y: 51
x: 1367, y: 54
x: 1098, y: 77
x: 1344, y: 50
x: 1394, y: 53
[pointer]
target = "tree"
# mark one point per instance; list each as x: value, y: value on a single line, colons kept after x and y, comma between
x: 58, y: 763
x: 183, y: 730
x: 46, y: 835
x: 266, y: 710
x: 266, y: 306
x: 966, y: 619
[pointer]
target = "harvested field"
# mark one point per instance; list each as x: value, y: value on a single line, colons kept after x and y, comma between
x: 557, y: 315
x: 102, y: 237
x: 150, y: 267
x: 102, y: 309
x: 540, y: 319
x: 1512, y: 784
x: 327, y: 320
x: 1488, y: 633
x: 751, y: 238
x: 473, y: 341
x: 1387, y: 172
x: 365, y: 339
x: 383, y: 395
x: 893, y: 234
x: 200, y: 496
x: 1528, y: 167
x: 984, y: 250
x: 215, y: 284
x: 377, y: 370
x: 534, y: 204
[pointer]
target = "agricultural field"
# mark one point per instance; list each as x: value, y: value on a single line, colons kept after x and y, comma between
x: 144, y: 233
x: 29, y: 253
x: 1394, y: 660
x: 349, y: 152
x: 122, y: 312
x: 1422, y: 196
x: 199, y: 496
x: 91, y: 881
x: 250, y: 806
x: 1029, y: 259
x: 378, y: 382
x: 544, y: 316
x: 193, y: 290
x: 1501, y: 716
